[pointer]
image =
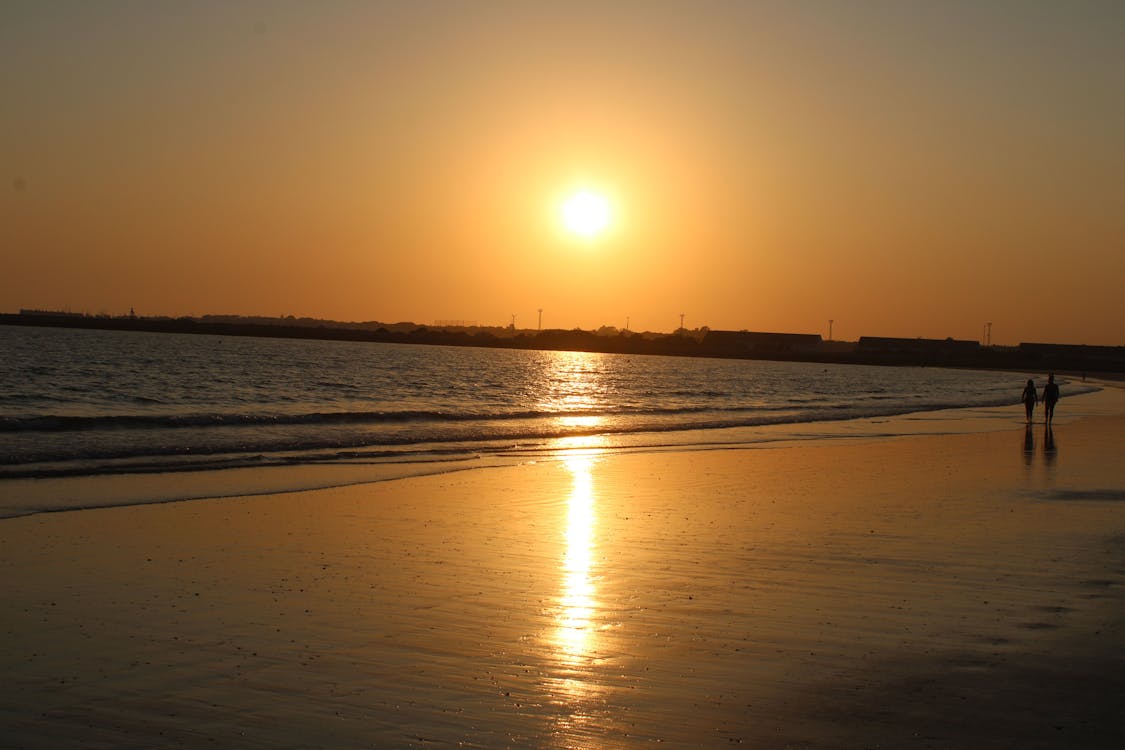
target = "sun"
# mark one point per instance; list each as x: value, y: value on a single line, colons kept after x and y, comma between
x: 586, y: 213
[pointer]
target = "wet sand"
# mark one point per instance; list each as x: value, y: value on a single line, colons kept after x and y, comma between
x: 957, y: 591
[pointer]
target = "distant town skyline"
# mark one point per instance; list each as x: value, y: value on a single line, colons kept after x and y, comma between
x: 514, y: 324
x: 900, y: 169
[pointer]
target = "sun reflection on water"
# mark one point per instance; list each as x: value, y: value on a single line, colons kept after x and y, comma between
x: 588, y: 421
x: 574, y: 652
x: 574, y: 384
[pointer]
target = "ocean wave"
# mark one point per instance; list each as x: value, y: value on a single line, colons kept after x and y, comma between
x: 74, y: 453
x: 810, y: 408
x: 66, y: 423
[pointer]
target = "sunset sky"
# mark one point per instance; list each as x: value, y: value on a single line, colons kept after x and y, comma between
x: 903, y: 168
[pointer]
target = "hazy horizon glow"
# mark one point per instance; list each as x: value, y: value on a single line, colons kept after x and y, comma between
x: 905, y: 169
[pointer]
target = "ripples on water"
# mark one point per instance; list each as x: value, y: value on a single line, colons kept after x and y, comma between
x: 78, y: 401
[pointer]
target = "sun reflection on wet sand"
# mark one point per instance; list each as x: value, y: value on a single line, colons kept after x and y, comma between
x: 574, y: 639
x: 577, y: 599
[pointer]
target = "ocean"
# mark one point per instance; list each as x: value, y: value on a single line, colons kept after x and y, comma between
x: 80, y: 403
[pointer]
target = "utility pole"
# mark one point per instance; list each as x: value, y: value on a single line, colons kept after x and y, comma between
x: 830, y: 322
x: 988, y: 336
x: 681, y: 321
x: 540, y: 319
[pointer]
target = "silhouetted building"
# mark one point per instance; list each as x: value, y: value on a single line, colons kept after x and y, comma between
x: 736, y: 343
x: 51, y: 313
x: 944, y: 347
x: 1075, y: 356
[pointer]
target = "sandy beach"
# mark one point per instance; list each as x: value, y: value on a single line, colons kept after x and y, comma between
x: 933, y: 591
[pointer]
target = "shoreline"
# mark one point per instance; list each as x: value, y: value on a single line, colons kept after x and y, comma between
x: 30, y: 496
x: 948, y: 590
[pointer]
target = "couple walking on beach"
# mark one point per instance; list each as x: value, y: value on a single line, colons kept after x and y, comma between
x: 1050, y: 397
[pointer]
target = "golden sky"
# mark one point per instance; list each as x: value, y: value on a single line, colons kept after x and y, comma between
x: 903, y: 168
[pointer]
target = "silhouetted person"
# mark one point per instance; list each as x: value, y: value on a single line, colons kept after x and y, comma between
x: 1050, y: 397
x: 1029, y: 398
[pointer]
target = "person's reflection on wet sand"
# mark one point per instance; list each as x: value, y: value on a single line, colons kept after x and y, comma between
x: 1028, y: 445
x: 1050, y: 449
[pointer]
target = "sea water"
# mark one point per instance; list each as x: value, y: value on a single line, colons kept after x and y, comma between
x: 87, y: 401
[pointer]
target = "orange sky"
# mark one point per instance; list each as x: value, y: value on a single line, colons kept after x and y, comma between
x: 904, y: 168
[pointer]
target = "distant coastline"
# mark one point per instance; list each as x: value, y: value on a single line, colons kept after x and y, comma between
x: 703, y: 342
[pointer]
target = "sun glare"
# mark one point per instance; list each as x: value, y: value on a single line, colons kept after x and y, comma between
x: 586, y: 213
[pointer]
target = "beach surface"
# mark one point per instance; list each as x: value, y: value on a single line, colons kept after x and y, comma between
x: 931, y: 591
